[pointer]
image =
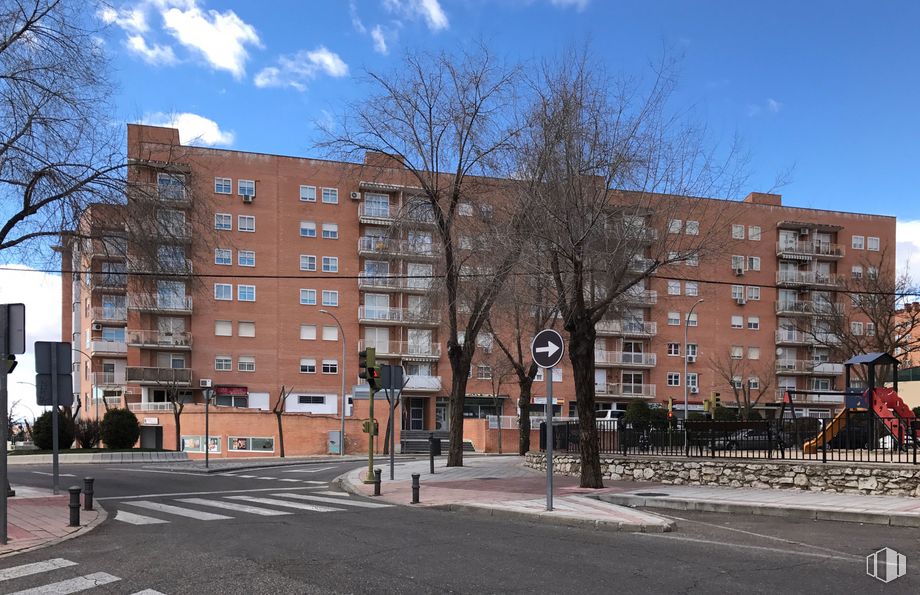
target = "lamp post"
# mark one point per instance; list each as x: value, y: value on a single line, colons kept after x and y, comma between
x: 686, y: 388
x: 342, y: 365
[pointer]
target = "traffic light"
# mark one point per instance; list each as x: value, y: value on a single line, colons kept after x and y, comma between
x: 368, y: 369
x: 670, y: 408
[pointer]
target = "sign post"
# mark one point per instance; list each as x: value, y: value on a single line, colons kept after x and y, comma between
x: 52, y: 375
x: 546, y: 350
x: 392, y: 377
x: 12, y: 342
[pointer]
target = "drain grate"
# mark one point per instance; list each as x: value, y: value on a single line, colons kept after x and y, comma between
x: 649, y: 494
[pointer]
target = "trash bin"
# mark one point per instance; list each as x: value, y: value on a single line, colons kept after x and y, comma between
x: 434, y: 446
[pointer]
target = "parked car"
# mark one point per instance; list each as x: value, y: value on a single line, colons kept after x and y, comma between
x: 750, y: 440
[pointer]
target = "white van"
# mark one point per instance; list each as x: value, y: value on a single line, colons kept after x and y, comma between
x: 608, y: 414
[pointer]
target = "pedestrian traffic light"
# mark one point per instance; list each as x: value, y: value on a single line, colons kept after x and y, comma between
x: 670, y: 404
x: 368, y: 370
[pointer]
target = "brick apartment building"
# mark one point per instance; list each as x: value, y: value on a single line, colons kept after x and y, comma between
x: 266, y: 260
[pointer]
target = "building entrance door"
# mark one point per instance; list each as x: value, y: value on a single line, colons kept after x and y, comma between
x: 416, y: 414
x: 441, y: 418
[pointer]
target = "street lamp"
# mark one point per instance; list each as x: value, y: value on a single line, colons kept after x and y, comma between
x: 342, y: 365
x: 686, y: 388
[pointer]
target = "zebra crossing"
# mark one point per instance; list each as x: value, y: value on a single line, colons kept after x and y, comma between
x: 54, y: 568
x: 229, y: 506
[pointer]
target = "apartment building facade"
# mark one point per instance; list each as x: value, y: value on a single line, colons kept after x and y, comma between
x: 257, y: 268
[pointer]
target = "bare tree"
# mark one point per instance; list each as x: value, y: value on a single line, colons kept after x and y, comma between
x: 749, y: 380
x: 278, y: 410
x: 609, y: 170
x: 446, y: 120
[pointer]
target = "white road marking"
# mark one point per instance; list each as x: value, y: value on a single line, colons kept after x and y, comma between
x: 211, y: 493
x: 74, y: 585
x: 247, y: 476
x: 162, y: 471
x: 148, y: 592
x: 322, y: 483
x: 782, y: 551
x: 234, y: 506
x: 137, y: 519
x: 179, y: 511
x: 289, y: 479
x: 52, y: 474
x: 287, y: 503
x: 307, y: 470
x: 35, y: 568
x: 330, y: 493
x: 357, y: 503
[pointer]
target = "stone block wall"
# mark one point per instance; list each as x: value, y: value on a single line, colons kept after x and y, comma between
x: 849, y: 478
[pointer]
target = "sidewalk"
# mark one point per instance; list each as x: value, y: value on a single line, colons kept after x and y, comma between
x: 36, y: 518
x: 502, y: 487
x: 223, y: 465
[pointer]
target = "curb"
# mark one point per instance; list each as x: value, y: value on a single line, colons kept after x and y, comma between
x: 761, y: 509
x: 269, y: 465
x: 120, y: 458
x: 556, y: 518
x: 100, y: 518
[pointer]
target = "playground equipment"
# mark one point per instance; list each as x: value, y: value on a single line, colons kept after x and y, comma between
x: 874, y: 404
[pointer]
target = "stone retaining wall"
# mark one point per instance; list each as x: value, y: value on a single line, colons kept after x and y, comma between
x: 852, y: 478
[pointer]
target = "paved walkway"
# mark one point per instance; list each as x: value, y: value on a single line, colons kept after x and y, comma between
x: 221, y: 465
x: 37, y: 518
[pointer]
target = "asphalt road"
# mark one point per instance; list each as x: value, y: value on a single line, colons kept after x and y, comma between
x: 355, y: 549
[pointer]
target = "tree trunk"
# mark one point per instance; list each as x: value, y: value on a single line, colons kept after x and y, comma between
x: 460, y: 369
x: 280, y: 434
x: 176, y: 414
x: 581, y: 354
x: 525, y: 387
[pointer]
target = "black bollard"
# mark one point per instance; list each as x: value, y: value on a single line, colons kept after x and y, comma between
x: 88, y: 493
x: 415, y: 488
x: 74, y: 506
x: 376, y: 482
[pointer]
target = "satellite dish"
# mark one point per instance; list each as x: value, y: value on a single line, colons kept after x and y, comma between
x: 779, y: 351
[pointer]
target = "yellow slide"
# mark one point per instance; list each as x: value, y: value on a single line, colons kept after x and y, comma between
x: 830, y: 430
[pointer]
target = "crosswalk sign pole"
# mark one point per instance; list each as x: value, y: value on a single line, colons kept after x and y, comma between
x: 4, y: 427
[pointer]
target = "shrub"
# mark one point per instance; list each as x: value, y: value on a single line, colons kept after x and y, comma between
x: 725, y: 414
x: 119, y: 429
x: 917, y: 410
x: 87, y: 432
x: 43, y: 436
x: 638, y: 414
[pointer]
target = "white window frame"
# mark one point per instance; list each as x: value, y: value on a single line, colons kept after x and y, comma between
x: 673, y: 318
x: 220, y: 182
x: 309, y: 227
x: 692, y: 228
x: 228, y: 324
x: 753, y: 323
x: 306, y: 363
x: 248, y: 184
x: 223, y: 287
x: 673, y: 379
x: 737, y: 322
x: 310, y: 295
x: 737, y: 231
x: 753, y: 263
x: 223, y: 256
x: 242, y: 258
x: 223, y: 363
x: 240, y: 288
x: 305, y: 193
x: 220, y: 217
x: 330, y: 264
x: 247, y: 218
x: 754, y: 233
x: 753, y: 293
x: 693, y: 319
x: 858, y: 242
x: 330, y: 231
x: 240, y: 326
x: 691, y: 288
x: 330, y: 366
x: 873, y: 241
x: 331, y: 196
x: 330, y: 298
x: 307, y: 262
x: 675, y: 225
x: 673, y: 349
x: 673, y: 287
x: 246, y: 363
x: 305, y: 329
x: 330, y: 333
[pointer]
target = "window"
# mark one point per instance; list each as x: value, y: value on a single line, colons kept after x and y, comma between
x: 223, y: 185
x: 483, y: 372
x: 693, y: 380
x: 753, y: 263
x: 308, y: 193
x: 330, y: 231
x: 753, y: 323
x: 692, y: 288
x: 223, y: 256
x: 557, y: 374
x: 754, y: 233
x: 246, y: 293
x: 858, y: 242
x: 246, y: 258
x: 307, y: 229
x: 246, y: 223
x: 307, y: 366
x: 674, y: 349
x: 250, y: 444
x: 753, y: 293
x: 246, y: 329
x: 737, y: 321
x: 673, y: 287
x: 330, y: 264
x: 246, y: 187
x: 246, y: 363
x: 692, y: 228
x: 754, y: 382
x: 737, y: 352
x: 311, y: 399
x: 465, y: 209
x: 330, y: 333
x: 693, y: 319
x: 872, y: 272
x: 223, y: 221
x: 692, y: 259
x: 674, y: 225
x: 307, y: 262
x: 330, y: 366
x: 330, y: 298
x: 223, y: 363
x: 737, y: 262
x: 736, y: 382
x: 872, y: 244
x: 753, y: 352
x: 485, y: 341
x: 223, y: 291
x: 737, y: 292
x: 308, y: 297
x: 331, y: 196
x: 870, y: 329
x: 673, y: 378
x: 307, y: 332
x: 857, y: 271
x: 737, y: 232
x: 692, y: 349
x: 856, y: 328
x: 673, y: 318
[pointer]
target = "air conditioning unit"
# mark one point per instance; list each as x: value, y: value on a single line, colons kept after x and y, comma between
x: 691, y: 359
x: 740, y: 301
x: 204, y: 383
x: 247, y: 198
x: 694, y: 390
x: 355, y: 196
x: 803, y: 231
x: 739, y: 272
x: 97, y: 326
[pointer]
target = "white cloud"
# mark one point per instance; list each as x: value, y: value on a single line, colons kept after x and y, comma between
x: 578, y: 5
x: 296, y: 70
x: 220, y: 37
x: 193, y: 129
x: 773, y: 106
x: 159, y: 55
x: 770, y: 106
x: 355, y: 19
x: 908, y: 248
x: 133, y: 20
x: 429, y: 10
x: 380, y: 40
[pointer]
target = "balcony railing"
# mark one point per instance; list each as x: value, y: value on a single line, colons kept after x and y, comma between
x: 161, y: 303
x: 791, y: 336
x: 109, y: 378
x: 375, y: 315
x: 819, y: 249
x: 808, y: 278
x: 108, y: 347
x: 824, y: 399
x: 110, y: 314
x: 423, y: 383
x: 171, y: 194
x: 625, y: 358
x: 640, y: 265
x: 393, y: 247
x: 181, y: 266
x: 644, y: 297
x: 808, y: 307
x: 794, y: 366
x: 156, y: 338
x: 108, y: 280
x: 619, y: 389
x: 392, y: 283
x: 150, y: 406
x: 407, y: 349
x: 636, y: 328
x: 166, y: 376
x: 375, y: 211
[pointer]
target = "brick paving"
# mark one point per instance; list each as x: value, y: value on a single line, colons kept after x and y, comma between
x: 36, y: 518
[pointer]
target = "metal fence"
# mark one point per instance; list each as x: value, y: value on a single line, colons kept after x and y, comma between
x: 854, y: 436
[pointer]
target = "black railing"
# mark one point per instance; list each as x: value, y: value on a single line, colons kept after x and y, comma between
x: 853, y: 436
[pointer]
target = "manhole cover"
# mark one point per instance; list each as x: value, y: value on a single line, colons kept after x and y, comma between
x: 650, y: 494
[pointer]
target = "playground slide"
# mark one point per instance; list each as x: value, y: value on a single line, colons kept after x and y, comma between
x: 893, y: 412
x: 830, y: 430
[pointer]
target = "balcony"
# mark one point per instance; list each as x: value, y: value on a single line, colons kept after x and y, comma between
x: 630, y: 391
x: 372, y: 246
x: 150, y: 406
x: 625, y: 359
x: 108, y: 281
x: 374, y: 315
x: 172, y: 195
x: 791, y: 337
x: 116, y: 348
x: 161, y: 376
x: 643, y: 297
x: 405, y: 349
x: 154, y: 339
x: 109, y: 379
x: 809, y: 250
x: 794, y: 366
x: 110, y: 314
x: 386, y: 282
x: 808, y: 307
x: 375, y: 213
x: 811, y: 399
x: 174, y: 304
x: 173, y: 267
x: 640, y: 265
x: 827, y: 368
x: 626, y: 328
x: 423, y: 383
x: 806, y: 278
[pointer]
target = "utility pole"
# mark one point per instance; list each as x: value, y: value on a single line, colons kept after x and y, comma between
x: 686, y: 387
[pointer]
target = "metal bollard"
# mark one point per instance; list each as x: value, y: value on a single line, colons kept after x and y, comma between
x: 415, y: 488
x: 88, y: 493
x: 74, y: 506
x: 377, y: 482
